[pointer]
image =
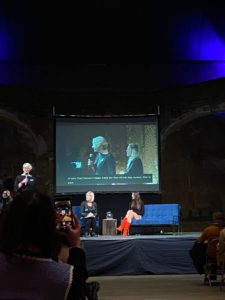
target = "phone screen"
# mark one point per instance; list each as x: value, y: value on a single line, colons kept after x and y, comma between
x: 63, y: 210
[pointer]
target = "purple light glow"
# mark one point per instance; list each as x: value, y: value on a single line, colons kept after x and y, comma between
x: 206, y: 44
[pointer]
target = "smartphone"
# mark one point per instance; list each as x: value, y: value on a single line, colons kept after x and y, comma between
x: 63, y: 209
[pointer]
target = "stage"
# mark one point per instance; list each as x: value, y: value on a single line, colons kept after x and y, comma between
x: 139, y: 254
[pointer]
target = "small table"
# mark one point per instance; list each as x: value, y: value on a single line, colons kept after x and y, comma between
x: 109, y: 226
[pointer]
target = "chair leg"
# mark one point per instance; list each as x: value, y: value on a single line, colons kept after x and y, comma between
x: 210, y: 273
x: 222, y: 279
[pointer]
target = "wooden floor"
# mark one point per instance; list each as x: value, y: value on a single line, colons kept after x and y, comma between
x: 157, y: 287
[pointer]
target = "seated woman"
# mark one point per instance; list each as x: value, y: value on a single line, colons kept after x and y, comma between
x: 88, y: 210
x: 29, y: 247
x: 136, y: 212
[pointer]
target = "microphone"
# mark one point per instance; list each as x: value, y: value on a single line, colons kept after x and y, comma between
x: 90, y: 160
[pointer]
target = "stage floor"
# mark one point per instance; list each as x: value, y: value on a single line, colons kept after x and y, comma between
x: 140, y: 254
x: 134, y: 237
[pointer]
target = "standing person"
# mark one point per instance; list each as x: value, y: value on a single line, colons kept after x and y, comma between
x: 29, y: 245
x: 134, y: 164
x: 104, y: 163
x: 25, y: 181
x: 5, y: 199
x: 88, y: 210
x: 136, y: 212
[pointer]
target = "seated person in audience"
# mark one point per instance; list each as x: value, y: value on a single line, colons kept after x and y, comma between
x: 5, y: 199
x: 25, y: 181
x: 136, y: 212
x: 29, y: 243
x: 221, y: 248
x: 212, y: 232
x: 88, y: 211
x: 65, y: 255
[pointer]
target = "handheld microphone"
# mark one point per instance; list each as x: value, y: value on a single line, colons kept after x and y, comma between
x: 90, y: 160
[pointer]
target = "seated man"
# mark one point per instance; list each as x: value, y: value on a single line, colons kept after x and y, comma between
x: 211, y: 235
x: 212, y: 232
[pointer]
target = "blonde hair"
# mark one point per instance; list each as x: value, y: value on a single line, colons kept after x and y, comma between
x: 27, y: 165
x: 92, y: 195
x: 100, y: 141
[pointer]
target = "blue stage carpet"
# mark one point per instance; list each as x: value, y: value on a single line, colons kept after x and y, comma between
x: 139, y: 255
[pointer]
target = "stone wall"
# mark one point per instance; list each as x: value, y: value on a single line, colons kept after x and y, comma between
x: 192, y: 146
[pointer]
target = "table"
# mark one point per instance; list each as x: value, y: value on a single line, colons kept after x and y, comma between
x: 109, y: 226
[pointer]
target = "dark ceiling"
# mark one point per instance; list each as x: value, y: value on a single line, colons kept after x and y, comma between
x: 98, y: 31
x: 120, y: 47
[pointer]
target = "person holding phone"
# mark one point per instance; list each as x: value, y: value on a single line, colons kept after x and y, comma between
x: 25, y: 181
x: 63, y: 214
x: 88, y: 211
x: 31, y: 251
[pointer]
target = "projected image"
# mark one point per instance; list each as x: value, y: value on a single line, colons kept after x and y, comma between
x: 106, y: 155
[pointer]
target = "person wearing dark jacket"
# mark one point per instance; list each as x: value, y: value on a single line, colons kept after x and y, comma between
x: 25, y: 181
x: 88, y: 211
x: 136, y: 212
x: 104, y: 163
x: 134, y: 164
x: 212, y: 232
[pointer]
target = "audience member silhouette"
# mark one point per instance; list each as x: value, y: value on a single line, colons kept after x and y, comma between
x: 29, y: 243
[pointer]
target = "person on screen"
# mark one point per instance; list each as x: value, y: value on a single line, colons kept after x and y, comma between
x: 88, y: 211
x: 25, y: 181
x: 136, y: 212
x: 134, y: 164
x: 104, y: 163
